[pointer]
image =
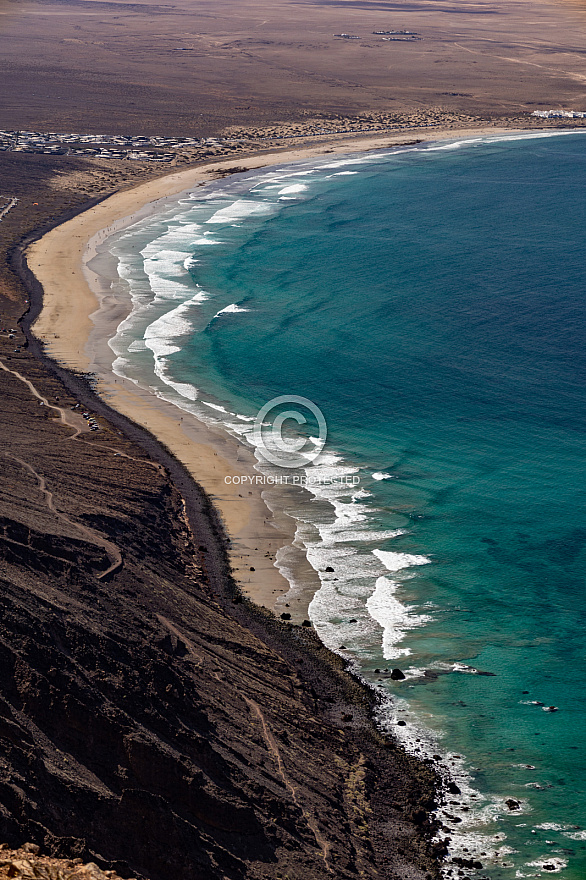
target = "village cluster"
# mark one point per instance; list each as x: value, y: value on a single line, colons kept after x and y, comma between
x: 185, y: 149
x: 100, y: 146
x: 559, y: 114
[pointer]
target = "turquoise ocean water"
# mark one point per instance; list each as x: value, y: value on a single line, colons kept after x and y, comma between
x: 432, y: 303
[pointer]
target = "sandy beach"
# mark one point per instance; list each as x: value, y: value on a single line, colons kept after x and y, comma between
x: 75, y: 332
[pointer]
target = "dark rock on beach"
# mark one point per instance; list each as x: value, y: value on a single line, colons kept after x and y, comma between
x: 467, y: 863
x: 397, y: 675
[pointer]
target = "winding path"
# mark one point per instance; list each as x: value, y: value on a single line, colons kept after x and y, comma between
x: 273, y: 748
x: 88, y: 534
x: 6, y: 208
x: 64, y: 415
x: 69, y: 420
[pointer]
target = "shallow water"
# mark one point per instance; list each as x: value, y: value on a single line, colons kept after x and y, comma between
x: 431, y: 303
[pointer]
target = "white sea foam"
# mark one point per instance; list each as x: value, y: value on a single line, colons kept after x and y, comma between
x: 394, y: 617
x: 215, y: 406
x: 168, y: 289
x: 575, y: 835
x: 470, y: 837
x: 230, y: 310
x: 293, y: 188
x: 333, y: 541
x: 532, y: 135
x: 551, y: 826
x: 435, y: 147
x: 379, y: 475
x: 162, y: 335
x: 118, y: 366
x: 189, y: 392
x: 239, y: 210
x: 397, y: 561
x: 165, y: 257
x: 342, y: 545
x: 137, y: 345
x: 202, y: 296
x: 464, y: 668
x: 343, y: 162
x: 159, y: 334
x: 455, y: 145
x: 551, y: 864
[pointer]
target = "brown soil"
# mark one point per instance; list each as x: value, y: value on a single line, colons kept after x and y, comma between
x: 196, y: 68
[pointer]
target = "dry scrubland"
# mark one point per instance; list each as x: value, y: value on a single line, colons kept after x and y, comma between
x: 198, y: 68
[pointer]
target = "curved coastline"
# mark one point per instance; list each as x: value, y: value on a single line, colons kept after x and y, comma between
x: 74, y: 334
x: 329, y: 674
x: 332, y: 691
x: 196, y: 457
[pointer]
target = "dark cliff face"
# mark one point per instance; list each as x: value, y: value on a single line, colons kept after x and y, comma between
x: 148, y: 722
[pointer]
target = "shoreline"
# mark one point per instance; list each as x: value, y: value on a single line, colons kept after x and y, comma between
x: 216, y: 448
x: 79, y: 315
x: 243, y: 653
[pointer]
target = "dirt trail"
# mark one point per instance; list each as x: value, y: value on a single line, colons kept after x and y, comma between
x: 274, y: 751
x: 88, y: 534
x: 70, y: 420
x: 75, y: 421
x: 178, y: 634
x: 7, y: 208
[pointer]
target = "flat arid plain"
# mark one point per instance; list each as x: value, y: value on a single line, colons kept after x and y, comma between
x: 199, y: 67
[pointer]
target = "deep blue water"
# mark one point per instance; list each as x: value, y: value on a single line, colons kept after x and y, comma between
x: 432, y: 303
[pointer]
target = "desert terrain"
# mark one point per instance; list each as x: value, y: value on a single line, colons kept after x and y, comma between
x: 198, y: 68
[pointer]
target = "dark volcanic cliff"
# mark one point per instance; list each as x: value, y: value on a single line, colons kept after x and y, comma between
x: 150, y: 721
